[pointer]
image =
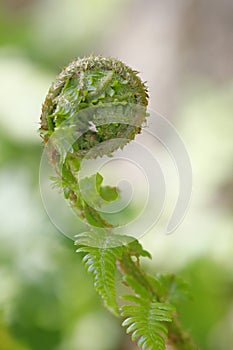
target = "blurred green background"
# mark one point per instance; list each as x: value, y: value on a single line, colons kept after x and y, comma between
x: 183, y: 50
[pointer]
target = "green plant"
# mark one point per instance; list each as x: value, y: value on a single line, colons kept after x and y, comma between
x: 95, y: 106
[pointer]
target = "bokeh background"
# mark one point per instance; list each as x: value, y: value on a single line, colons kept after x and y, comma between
x: 184, y: 51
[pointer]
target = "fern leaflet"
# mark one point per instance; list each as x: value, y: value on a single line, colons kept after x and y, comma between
x: 102, y: 250
x: 146, y: 320
x: 101, y: 262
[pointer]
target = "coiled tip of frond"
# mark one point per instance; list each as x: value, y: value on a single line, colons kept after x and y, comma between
x: 93, y: 82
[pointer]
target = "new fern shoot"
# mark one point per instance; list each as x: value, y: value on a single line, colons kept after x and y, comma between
x: 95, y: 106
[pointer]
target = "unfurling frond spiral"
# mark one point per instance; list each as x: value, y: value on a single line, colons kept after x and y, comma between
x: 95, y: 106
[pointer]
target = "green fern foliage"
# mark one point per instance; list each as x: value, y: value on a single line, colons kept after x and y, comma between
x: 77, y: 124
x: 102, y: 251
x: 146, y: 320
x: 100, y: 261
x: 146, y: 317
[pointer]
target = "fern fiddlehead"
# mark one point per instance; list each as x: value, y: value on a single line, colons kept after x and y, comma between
x: 95, y: 106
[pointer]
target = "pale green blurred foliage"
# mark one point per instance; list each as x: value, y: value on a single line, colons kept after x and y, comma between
x: 46, y: 298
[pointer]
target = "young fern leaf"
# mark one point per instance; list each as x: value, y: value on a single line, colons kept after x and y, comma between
x: 95, y: 106
x: 101, y: 253
x: 146, y: 320
x: 100, y: 261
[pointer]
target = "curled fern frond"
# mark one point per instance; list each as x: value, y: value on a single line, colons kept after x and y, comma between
x: 91, y: 82
x: 95, y: 106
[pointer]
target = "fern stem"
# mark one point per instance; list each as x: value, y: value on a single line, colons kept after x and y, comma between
x: 128, y: 267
